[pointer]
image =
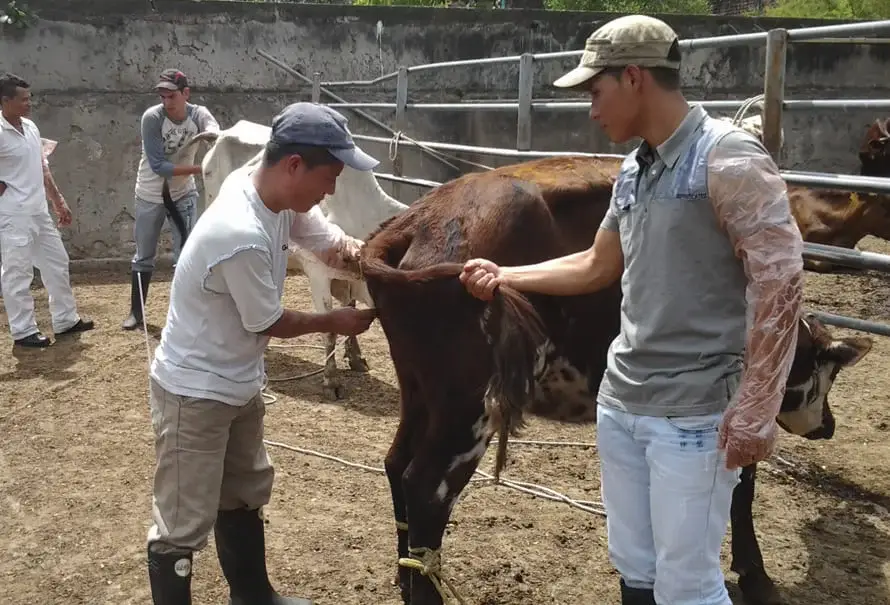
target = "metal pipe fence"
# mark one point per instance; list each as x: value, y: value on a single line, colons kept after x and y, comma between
x: 774, y: 104
x: 796, y: 104
x: 804, y: 34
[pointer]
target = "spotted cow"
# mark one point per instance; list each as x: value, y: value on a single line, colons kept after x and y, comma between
x: 468, y: 370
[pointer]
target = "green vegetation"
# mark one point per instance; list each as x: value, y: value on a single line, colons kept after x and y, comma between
x: 16, y: 15
x: 830, y: 9
x: 687, y: 7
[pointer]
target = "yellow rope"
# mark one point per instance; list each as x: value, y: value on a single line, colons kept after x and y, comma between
x: 428, y: 562
x: 401, y: 526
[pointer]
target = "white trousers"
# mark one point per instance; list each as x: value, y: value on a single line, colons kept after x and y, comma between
x: 27, y: 242
x: 667, y: 494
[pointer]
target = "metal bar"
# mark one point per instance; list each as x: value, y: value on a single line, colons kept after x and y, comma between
x: 774, y: 91
x: 337, y: 98
x: 827, y: 180
x: 402, y: 179
x: 316, y: 87
x: 484, y: 61
x: 852, y: 323
x: 524, y: 104
x: 729, y: 104
x: 400, y: 125
x: 847, y: 257
x: 379, y: 80
x: 845, y: 29
x: 493, y: 151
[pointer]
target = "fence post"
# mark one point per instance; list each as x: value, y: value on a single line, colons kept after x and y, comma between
x: 526, y: 91
x: 316, y: 87
x: 401, y: 106
x: 774, y: 91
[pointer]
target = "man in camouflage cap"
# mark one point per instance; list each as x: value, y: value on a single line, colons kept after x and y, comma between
x: 700, y: 232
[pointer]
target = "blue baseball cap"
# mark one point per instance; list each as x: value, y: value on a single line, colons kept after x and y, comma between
x: 319, y: 126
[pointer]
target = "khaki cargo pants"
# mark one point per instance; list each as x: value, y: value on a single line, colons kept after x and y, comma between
x: 209, y: 456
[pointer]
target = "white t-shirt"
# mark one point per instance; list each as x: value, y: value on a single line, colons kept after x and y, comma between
x: 21, y: 168
x: 227, y: 289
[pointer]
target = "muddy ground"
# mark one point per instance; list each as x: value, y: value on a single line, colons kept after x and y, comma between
x: 76, y: 462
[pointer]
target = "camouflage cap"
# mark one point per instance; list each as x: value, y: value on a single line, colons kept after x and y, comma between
x: 631, y: 40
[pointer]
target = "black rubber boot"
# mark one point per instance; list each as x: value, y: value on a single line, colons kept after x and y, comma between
x: 170, y: 576
x: 636, y: 596
x: 136, y: 303
x: 241, y: 547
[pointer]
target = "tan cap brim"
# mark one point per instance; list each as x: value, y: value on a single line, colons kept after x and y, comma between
x: 576, y: 77
x: 167, y: 85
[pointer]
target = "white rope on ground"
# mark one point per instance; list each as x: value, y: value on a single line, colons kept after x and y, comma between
x: 532, y: 489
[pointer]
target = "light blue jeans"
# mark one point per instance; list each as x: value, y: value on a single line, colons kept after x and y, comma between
x: 149, y: 220
x: 667, y: 494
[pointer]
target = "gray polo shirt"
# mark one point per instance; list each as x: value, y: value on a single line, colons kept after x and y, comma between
x: 683, y: 314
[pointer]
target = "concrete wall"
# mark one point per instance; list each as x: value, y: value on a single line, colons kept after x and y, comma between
x: 92, y: 67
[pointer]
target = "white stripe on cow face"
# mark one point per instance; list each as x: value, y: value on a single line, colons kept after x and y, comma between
x: 808, y: 417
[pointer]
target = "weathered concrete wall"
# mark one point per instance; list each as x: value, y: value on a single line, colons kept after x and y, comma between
x: 92, y: 67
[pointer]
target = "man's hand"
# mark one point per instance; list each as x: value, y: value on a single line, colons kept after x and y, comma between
x: 481, y: 277
x: 350, y: 321
x: 746, y: 440
x: 63, y: 212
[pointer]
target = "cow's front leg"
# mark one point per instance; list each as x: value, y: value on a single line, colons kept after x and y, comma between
x: 747, y: 561
x: 441, y: 468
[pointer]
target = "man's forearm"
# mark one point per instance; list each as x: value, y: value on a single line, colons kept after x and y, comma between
x: 52, y: 190
x: 186, y: 169
x: 577, y: 273
x: 295, y: 323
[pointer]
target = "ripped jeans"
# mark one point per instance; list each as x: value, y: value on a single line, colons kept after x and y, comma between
x: 667, y: 494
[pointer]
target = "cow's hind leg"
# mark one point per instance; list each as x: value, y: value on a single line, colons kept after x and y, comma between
x: 747, y: 561
x: 396, y: 463
x: 441, y: 468
x: 354, y: 353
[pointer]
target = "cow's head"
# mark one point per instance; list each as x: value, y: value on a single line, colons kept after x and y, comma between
x: 819, y: 357
x: 874, y: 154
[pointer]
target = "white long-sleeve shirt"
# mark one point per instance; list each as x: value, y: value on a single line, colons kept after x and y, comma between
x: 21, y: 169
x: 227, y: 289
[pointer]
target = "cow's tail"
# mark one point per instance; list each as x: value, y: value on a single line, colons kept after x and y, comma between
x: 172, y: 212
x: 514, y: 331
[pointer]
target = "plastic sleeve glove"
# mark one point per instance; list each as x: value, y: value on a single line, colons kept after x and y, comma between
x: 314, y: 232
x: 751, y: 202
x: 47, y: 147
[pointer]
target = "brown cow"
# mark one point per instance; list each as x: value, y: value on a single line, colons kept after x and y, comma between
x: 467, y: 369
x: 840, y: 218
x: 874, y: 154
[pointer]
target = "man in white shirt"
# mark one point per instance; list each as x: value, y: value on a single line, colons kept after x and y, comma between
x: 213, y: 472
x: 28, y: 237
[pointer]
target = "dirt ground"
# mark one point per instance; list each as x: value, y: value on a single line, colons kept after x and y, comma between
x: 76, y: 463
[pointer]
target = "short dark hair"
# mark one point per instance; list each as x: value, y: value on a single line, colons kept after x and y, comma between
x: 312, y: 155
x: 8, y: 85
x: 666, y: 77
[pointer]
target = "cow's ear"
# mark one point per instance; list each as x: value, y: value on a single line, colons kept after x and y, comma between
x: 848, y: 351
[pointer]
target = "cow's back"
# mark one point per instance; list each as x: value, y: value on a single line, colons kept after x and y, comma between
x: 515, y: 215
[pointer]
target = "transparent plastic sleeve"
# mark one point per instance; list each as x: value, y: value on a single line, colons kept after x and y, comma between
x: 751, y: 202
x: 313, y: 231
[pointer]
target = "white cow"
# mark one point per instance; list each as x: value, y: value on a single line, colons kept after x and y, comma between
x: 358, y: 206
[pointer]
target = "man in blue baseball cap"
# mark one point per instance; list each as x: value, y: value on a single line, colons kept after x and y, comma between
x: 213, y: 471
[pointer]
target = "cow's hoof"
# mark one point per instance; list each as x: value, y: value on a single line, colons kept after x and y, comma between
x: 334, y: 391
x: 358, y: 364
x: 758, y: 589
